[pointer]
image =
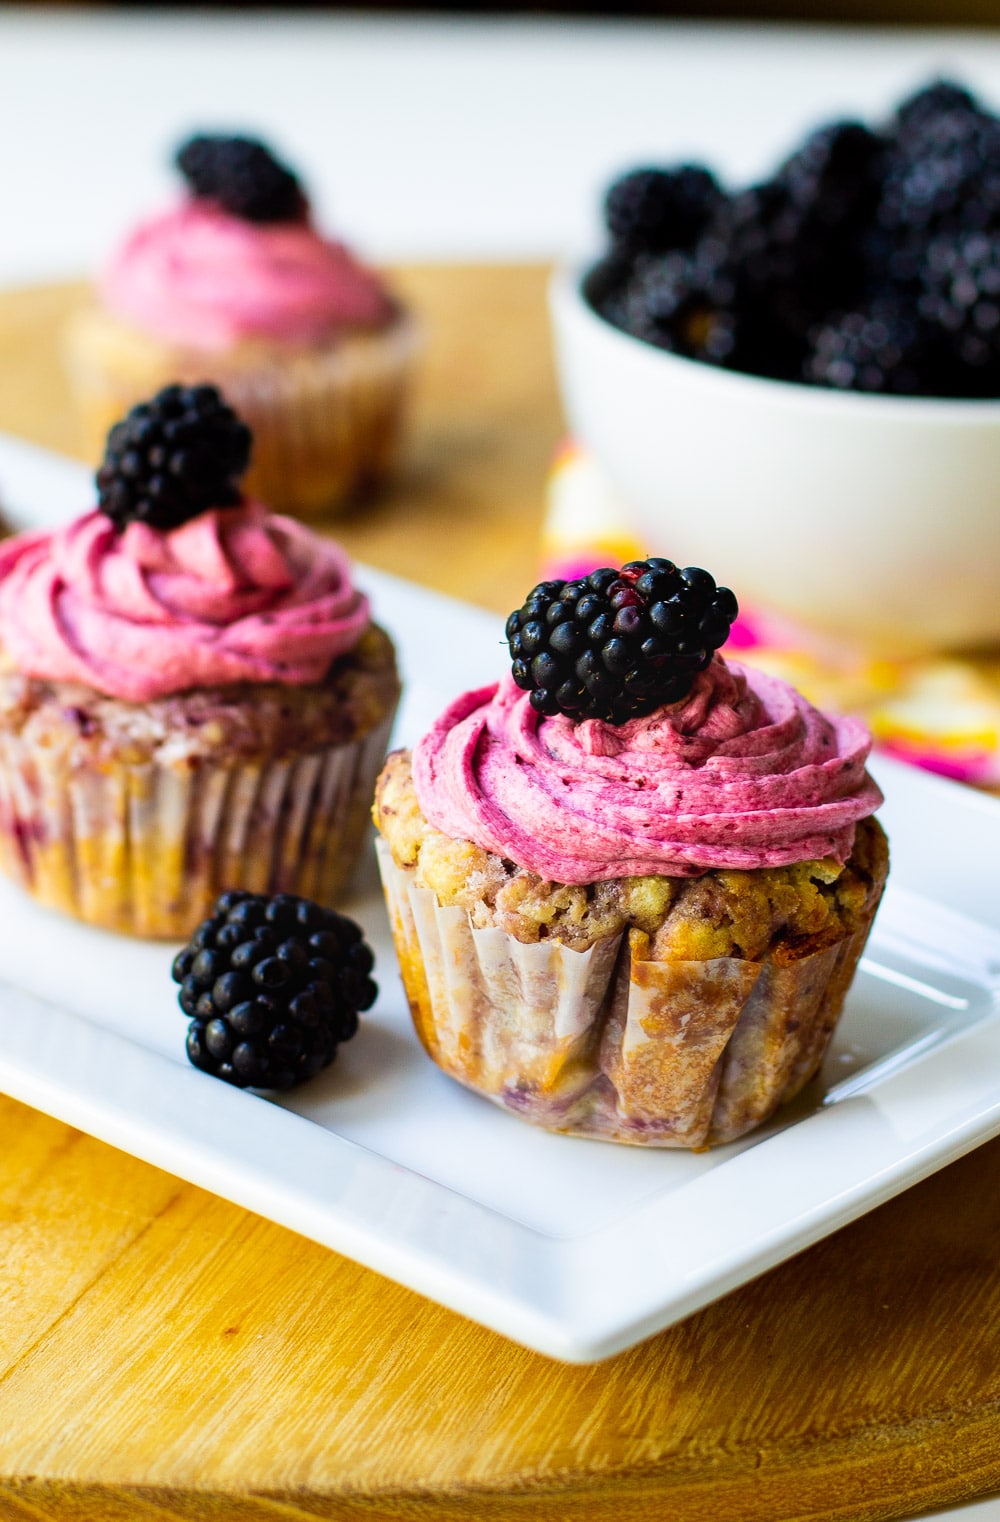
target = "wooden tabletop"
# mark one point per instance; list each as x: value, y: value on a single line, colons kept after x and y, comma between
x: 165, y: 1355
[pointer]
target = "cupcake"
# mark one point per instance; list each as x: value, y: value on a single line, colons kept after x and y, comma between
x: 630, y: 883
x: 193, y: 695
x: 234, y: 285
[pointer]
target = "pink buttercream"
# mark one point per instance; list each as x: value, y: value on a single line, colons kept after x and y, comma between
x: 742, y: 773
x: 235, y: 595
x: 196, y: 275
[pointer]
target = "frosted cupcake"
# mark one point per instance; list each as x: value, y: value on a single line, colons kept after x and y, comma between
x: 235, y: 285
x: 193, y: 695
x: 630, y: 884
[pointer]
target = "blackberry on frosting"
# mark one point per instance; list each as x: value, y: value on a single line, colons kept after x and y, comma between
x: 618, y: 644
x: 243, y: 176
x: 172, y: 458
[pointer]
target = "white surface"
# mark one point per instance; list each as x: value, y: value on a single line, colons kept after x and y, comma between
x: 419, y: 137
x: 829, y: 506
x: 576, y: 1248
x: 978, y: 1511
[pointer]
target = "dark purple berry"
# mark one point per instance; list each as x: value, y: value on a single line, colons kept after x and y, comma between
x: 854, y: 266
x: 879, y: 349
x: 202, y: 474
x: 242, y: 176
x: 651, y: 210
x: 280, y: 985
x: 653, y: 628
x: 961, y: 301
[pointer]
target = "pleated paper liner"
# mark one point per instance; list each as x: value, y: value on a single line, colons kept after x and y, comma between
x: 146, y: 847
x: 600, y: 1043
x: 327, y: 419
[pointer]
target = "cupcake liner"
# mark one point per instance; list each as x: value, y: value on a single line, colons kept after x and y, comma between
x: 605, y: 1044
x: 326, y: 420
x: 146, y: 847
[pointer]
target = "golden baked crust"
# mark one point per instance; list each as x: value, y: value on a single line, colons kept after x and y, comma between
x: 781, y: 912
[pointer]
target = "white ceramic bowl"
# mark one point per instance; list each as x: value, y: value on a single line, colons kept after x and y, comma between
x: 866, y: 515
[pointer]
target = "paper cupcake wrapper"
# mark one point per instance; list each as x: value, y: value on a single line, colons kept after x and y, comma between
x: 598, y: 1043
x: 327, y: 421
x: 146, y: 847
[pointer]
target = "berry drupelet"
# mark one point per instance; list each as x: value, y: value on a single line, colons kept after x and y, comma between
x: 618, y: 644
x: 242, y: 176
x: 172, y: 458
x: 272, y: 986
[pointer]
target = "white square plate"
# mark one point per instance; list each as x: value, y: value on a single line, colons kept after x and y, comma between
x: 577, y: 1249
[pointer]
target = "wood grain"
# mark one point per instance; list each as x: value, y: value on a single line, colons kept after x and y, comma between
x: 165, y: 1355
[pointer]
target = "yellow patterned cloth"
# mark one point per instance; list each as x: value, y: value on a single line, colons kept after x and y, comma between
x: 941, y: 712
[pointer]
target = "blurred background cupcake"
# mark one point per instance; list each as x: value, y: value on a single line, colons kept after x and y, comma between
x: 193, y: 695
x: 234, y: 285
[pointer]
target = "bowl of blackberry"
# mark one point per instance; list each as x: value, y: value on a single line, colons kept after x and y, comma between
x: 800, y: 380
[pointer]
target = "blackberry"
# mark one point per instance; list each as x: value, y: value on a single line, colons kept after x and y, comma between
x: 272, y: 986
x: 617, y: 644
x: 652, y: 210
x: 787, y: 268
x: 868, y: 261
x: 833, y: 178
x: 881, y: 348
x: 172, y: 458
x: 961, y: 298
x: 947, y: 179
x: 833, y: 183
x: 243, y: 176
x: 606, y: 285
x: 928, y: 106
x: 684, y: 303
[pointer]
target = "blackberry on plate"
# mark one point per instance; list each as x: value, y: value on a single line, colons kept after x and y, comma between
x: 883, y: 348
x: 617, y: 644
x: 961, y: 299
x: 650, y: 210
x: 173, y: 457
x: 272, y: 985
x: 243, y: 176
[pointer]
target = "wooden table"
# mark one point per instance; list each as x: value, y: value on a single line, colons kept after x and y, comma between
x: 164, y: 1355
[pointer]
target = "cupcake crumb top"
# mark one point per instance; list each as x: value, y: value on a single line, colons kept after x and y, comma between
x: 789, y: 910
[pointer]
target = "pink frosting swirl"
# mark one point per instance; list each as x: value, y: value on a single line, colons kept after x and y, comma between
x: 195, y: 275
x: 742, y: 773
x: 235, y: 595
